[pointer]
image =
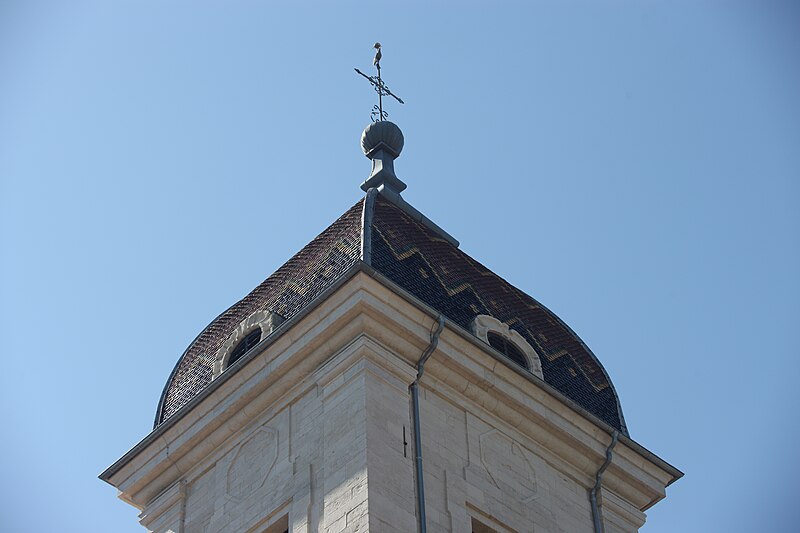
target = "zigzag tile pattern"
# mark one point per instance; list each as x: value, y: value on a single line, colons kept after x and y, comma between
x: 428, y: 267
x: 450, y: 281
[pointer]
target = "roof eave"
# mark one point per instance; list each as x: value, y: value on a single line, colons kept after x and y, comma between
x: 361, y: 266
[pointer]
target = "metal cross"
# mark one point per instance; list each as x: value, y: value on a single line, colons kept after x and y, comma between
x: 377, y: 83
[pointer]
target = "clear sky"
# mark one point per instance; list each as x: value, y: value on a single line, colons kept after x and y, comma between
x: 635, y: 166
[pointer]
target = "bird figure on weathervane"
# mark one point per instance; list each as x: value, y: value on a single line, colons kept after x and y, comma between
x: 381, y: 88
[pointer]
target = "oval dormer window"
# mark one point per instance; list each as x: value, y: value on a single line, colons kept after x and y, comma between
x: 245, y: 345
x: 507, y: 348
x: 508, y: 342
x: 244, y: 338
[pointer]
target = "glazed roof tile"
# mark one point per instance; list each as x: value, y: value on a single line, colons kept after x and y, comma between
x: 429, y: 266
x: 292, y: 287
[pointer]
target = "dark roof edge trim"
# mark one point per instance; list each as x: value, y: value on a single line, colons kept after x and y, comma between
x: 367, y: 214
x: 163, y: 398
x: 622, y: 424
x: 414, y: 213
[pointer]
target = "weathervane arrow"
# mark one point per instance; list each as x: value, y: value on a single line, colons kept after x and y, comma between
x: 379, y: 86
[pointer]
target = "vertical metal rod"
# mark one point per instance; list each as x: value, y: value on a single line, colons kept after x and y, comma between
x: 380, y: 91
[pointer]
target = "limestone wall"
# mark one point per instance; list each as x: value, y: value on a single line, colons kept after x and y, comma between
x: 315, y: 435
x: 335, y: 460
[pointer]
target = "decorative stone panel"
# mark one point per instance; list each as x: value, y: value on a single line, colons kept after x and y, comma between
x: 252, y: 463
x: 508, y: 466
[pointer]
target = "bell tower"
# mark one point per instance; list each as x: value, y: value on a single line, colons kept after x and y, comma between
x: 383, y: 380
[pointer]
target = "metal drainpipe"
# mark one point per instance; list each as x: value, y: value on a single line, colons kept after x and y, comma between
x: 414, y: 388
x: 597, y: 518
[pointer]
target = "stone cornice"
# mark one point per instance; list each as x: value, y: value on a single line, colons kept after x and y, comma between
x: 366, y: 317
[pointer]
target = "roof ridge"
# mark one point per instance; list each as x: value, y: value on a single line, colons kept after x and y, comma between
x: 414, y: 213
x: 366, y: 225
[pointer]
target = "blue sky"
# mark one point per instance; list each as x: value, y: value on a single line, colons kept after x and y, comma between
x: 632, y: 165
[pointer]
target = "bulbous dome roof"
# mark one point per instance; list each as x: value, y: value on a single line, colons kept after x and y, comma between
x: 412, y: 254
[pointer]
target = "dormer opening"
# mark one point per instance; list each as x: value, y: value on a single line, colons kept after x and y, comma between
x: 507, y: 348
x: 245, y: 345
x: 508, y: 342
x: 250, y: 331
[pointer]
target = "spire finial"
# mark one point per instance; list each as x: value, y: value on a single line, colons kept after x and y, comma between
x: 382, y: 142
x: 378, y: 114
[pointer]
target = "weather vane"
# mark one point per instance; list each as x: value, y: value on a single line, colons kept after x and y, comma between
x: 377, y: 83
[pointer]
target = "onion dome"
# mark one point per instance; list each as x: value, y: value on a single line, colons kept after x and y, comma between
x: 421, y: 260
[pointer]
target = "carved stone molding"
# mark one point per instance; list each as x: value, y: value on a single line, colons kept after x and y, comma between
x: 483, y: 324
x: 267, y: 321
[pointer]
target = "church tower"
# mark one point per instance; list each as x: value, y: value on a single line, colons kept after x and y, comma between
x: 383, y: 380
